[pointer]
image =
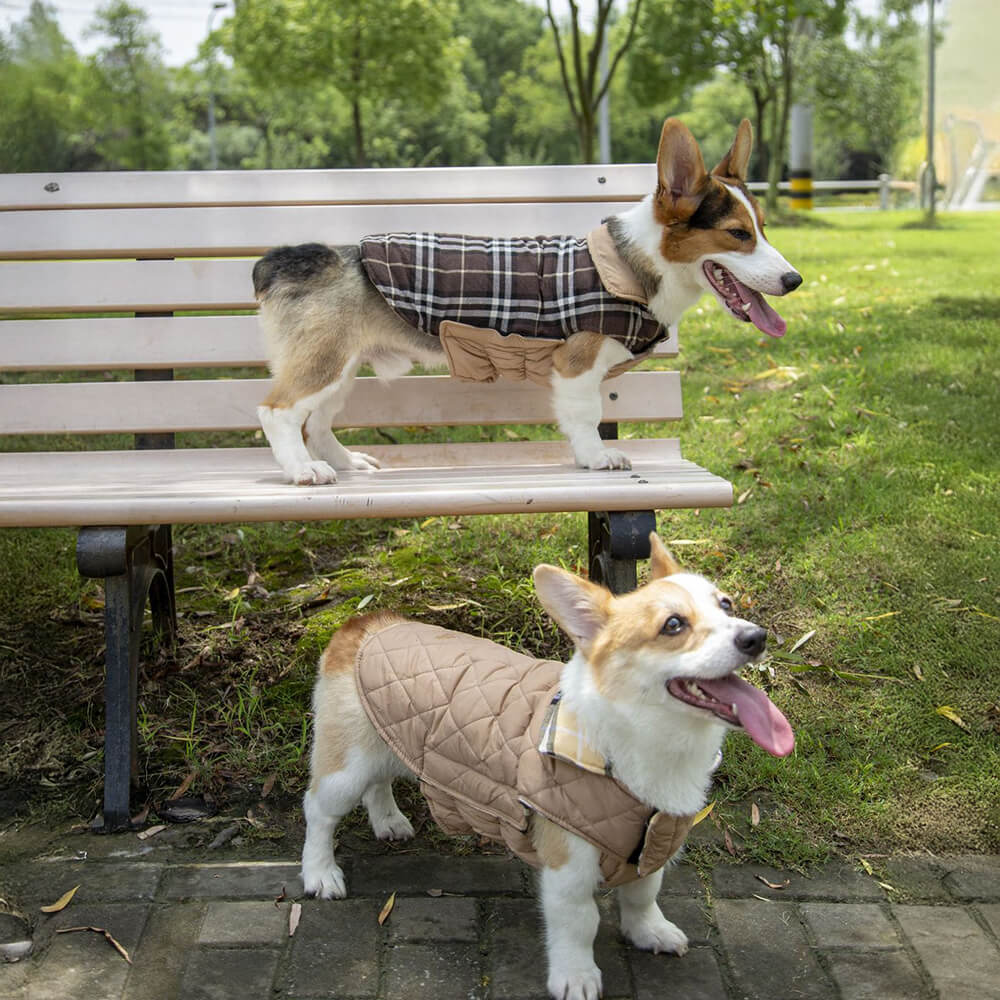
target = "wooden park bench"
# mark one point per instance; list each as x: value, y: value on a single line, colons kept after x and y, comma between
x: 122, y: 293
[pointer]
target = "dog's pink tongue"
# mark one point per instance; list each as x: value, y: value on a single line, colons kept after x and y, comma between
x: 760, y: 312
x: 758, y: 715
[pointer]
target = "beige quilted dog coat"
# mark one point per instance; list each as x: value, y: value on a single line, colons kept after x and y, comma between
x: 467, y: 716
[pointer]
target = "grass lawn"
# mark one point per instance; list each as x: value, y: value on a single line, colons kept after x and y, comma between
x: 865, y: 455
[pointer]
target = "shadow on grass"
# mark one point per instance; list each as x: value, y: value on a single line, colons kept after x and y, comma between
x: 966, y: 307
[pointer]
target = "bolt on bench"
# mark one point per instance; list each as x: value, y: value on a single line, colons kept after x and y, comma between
x: 121, y: 294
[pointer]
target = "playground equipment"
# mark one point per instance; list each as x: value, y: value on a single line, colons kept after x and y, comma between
x: 966, y: 184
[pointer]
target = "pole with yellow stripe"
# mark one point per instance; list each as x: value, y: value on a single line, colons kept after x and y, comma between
x: 800, y: 143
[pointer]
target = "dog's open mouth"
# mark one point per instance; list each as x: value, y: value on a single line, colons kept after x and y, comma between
x: 743, y: 302
x: 735, y: 701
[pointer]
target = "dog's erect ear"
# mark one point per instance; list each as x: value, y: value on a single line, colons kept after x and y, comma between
x: 579, y: 607
x: 661, y: 562
x: 737, y: 160
x: 680, y: 168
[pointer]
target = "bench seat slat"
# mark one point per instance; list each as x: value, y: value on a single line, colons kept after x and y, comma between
x: 230, y: 404
x: 244, y: 484
x: 80, y: 344
x: 617, y: 182
x: 234, y: 232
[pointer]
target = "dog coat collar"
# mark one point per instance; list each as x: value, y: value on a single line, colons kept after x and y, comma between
x: 561, y: 738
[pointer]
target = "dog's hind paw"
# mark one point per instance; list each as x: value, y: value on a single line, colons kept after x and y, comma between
x: 393, y: 827
x: 363, y: 462
x: 657, y: 936
x: 610, y: 458
x: 575, y: 984
x: 315, y: 473
x: 326, y: 883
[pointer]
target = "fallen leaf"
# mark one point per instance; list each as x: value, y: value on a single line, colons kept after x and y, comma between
x: 729, y: 844
x: 917, y: 672
x: 365, y: 601
x: 951, y: 715
x: 802, y: 640
x: 774, y: 885
x: 744, y: 496
x: 61, y: 903
x: 151, y: 832
x: 878, y: 618
x: 107, y: 935
x: 281, y: 898
x: 435, y: 892
x: 754, y: 814
x: 867, y: 867
x: 702, y: 813
x: 887, y: 887
x: 387, y: 909
x: 940, y: 746
x: 294, y: 916
x: 233, y: 594
x: 269, y: 785
x: 183, y: 787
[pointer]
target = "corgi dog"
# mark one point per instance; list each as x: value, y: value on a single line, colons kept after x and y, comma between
x: 323, y: 315
x: 592, y: 771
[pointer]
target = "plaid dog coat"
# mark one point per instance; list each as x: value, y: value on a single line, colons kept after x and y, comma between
x: 541, y: 289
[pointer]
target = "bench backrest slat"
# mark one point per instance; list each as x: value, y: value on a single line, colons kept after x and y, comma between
x: 230, y: 404
x: 608, y: 182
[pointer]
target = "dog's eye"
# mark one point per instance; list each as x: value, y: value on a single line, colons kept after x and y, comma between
x: 726, y: 605
x: 741, y: 234
x: 674, y: 625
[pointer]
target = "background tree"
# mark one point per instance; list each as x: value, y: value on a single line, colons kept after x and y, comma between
x: 583, y: 81
x: 127, y: 91
x: 371, y: 53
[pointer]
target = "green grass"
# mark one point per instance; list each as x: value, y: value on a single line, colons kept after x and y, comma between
x: 864, y: 451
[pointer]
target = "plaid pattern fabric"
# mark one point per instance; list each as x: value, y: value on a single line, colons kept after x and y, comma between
x: 545, y: 286
x: 561, y: 738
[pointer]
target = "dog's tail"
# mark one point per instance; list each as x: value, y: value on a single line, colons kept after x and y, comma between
x: 288, y: 268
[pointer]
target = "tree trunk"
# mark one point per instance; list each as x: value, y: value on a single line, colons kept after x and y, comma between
x: 360, y: 160
x: 586, y: 131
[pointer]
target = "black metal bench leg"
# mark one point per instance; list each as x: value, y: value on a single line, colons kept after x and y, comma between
x: 616, y: 539
x: 134, y: 563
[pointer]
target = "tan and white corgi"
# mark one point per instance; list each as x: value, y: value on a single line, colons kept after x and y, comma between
x: 323, y: 316
x: 592, y: 771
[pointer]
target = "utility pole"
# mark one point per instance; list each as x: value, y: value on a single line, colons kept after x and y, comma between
x: 603, y: 115
x: 929, y: 188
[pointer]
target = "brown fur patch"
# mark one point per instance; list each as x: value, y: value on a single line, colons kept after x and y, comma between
x: 550, y: 842
x: 342, y: 649
x: 578, y: 354
x: 704, y: 233
x: 661, y: 562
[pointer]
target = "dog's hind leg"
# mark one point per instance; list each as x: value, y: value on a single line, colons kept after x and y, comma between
x: 643, y: 923
x: 320, y: 441
x: 579, y: 366
x: 388, y: 823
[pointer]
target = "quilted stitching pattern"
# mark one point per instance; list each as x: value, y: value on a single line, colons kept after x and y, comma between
x: 465, y: 714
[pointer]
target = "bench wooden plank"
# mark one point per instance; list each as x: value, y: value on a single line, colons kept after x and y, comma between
x: 607, y: 182
x: 230, y: 404
x: 147, y: 342
x: 223, y: 232
x: 244, y: 484
x: 125, y: 286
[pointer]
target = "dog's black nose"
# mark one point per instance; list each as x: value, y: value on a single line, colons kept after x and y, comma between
x: 751, y: 641
x: 791, y: 280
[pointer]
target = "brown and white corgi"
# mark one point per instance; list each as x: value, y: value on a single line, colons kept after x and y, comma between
x: 323, y: 316
x: 592, y: 771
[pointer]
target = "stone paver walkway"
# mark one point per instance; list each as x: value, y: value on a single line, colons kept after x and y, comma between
x: 468, y: 927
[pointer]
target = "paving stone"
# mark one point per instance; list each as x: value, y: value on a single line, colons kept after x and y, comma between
x: 690, y: 915
x: 416, y: 873
x: 962, y: 961
x: 164, y: 950
x: 259, y: 880
x: 430, y: 919
x: 973, y: 877
x: 917, y: 879
x: 768, y: 951
x: 850, y: 925
x: 681, y: 880
x: 886, y: 975
x: 84, y: 964
x: 519, y: 967
x: 991, y: 914
x: 695, y: 976
x: 229, y: 974
x: 252, y: 922
x: 335, y: 949
x: 433, y: 972
x: 837, y: 881
x: 43, y: 882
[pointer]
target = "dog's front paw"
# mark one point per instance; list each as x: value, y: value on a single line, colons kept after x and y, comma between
x: 609, y: 458
x: 575, y: 984
x: 363, y: 462
x: 314, y: 473
x: 392, y: 827
x: 324, y: 883
x: 657, y: 935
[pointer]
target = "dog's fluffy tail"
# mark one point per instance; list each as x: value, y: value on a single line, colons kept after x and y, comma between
x: 292, y: 266
x: 342, y: 650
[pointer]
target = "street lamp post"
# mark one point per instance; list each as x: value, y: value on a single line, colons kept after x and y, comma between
x: 213, y: 153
